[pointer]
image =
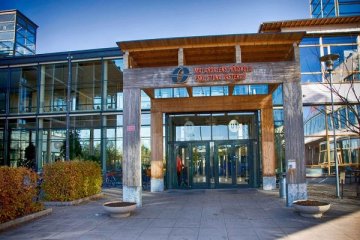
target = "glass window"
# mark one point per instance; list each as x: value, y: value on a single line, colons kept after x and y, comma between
x: 219, y: 90
x: 7, y: 17
x: 22, y: 144
x: 164, y: 93
x: 201, y: 91
x: 344, y: 52
x: 23, y: 90
x: 145, y: 119
x: 277, y: 96
x: 352, y: 116
x: 145, y: 101
x: 54, y: 78
x: 309, y: 59
x: 180, y: 92
x: 339, y: 39
x: 113, y: 84
x: 3, y: 90
x: 343, y: 118
x: 309, y: 41
x: 313, y: 77
x: 86, y: 86
x: 258, y: 89
x: 349, y: 9
x: 7, y: 36
x: 241, y: 90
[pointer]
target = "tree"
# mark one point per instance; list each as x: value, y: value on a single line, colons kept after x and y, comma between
x: 75, y: 149
x: 347, y: 93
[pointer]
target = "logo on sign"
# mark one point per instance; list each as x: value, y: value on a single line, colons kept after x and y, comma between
x: 180, y: 75
x: 233, y: 125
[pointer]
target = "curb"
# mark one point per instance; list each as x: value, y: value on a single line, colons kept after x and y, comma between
x: 74, y: 202
x: 25, y: 219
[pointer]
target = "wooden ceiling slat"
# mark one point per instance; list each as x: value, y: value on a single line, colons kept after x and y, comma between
x: 268, y: 27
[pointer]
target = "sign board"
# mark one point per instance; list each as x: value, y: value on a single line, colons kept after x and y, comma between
x: 291, y: 164
x: 130, y: 128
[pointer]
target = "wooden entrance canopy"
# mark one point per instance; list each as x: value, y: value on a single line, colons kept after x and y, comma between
x: 267, y: 47
x: 266, y: 58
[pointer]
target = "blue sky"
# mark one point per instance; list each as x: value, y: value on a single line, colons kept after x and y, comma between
x: 66, y: 25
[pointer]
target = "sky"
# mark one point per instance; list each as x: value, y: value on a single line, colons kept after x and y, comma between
x: 67, y: 25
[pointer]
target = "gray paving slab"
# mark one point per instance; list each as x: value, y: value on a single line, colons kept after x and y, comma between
x: 198, y: 214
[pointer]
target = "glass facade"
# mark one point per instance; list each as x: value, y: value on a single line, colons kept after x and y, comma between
x: 17, y: 34
x: 79, y: 103
x: 312, y: 48
x: 334, y: 8
x: 318, y: 124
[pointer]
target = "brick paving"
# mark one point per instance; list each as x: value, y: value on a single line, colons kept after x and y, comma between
x: 202, y: 214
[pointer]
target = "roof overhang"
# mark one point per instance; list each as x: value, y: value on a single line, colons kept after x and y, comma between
x: 257, y: 47
x: 278, y: 26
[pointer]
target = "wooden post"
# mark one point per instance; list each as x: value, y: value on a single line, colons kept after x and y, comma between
x: 181, y: 58
x: 268, y: 149
x: 157, y: 176
x: 132, y: 189
x: 294, y: 142
x: 237, y: 54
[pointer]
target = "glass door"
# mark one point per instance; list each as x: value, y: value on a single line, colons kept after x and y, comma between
x: 232, y: 163
x: 200, y: 165
x: 190, y: 165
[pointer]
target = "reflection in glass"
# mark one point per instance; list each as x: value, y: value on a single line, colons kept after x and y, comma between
x: 199, y: 164
x: 224, y: 164
x: 23, y: 90
x: 53, y: 87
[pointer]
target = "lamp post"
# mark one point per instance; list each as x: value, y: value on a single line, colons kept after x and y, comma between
x: 329, y: 64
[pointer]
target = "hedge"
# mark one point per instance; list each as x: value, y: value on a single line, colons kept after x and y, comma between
x: 18, y: 193
x: 71, y: 180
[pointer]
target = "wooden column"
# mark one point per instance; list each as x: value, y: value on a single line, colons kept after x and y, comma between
x: 237, y: 54
x: 157, y: 176
x: 268, y: 149
x: 132, y: 189
x: 294, y: 136
x: 181, y: 58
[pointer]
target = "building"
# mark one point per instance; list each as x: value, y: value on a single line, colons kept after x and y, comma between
x: 324, y: 36
x: 334, y: 8
x: 200, y: 112
x: 17, y: 34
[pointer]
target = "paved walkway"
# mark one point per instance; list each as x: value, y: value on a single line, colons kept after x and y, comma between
x: 196, y: 214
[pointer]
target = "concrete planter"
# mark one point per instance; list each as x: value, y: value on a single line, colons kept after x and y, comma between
x: 311, y: 208
x: 119, y: 209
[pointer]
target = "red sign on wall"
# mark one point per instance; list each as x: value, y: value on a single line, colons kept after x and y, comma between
x: 130, y: 128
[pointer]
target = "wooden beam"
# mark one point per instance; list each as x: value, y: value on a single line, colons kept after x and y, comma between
x: 210, y: 104
x: 263, y: 73
x: 126, y: 60
x: 272, y: 87
x: 224, y: 44
x: 181, y: 59
x: 237, y: 54
x: 149, y: 92
x: 231, y: 89
x: 189, y: 90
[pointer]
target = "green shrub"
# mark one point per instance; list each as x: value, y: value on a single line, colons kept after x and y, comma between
x: 71, y: 180
x: 18, y: 193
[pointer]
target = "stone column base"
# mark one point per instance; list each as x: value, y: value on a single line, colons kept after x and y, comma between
x: 132, y: 194
x: 157, y: 185
x: 269, y: 183
x: 295, y: 192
